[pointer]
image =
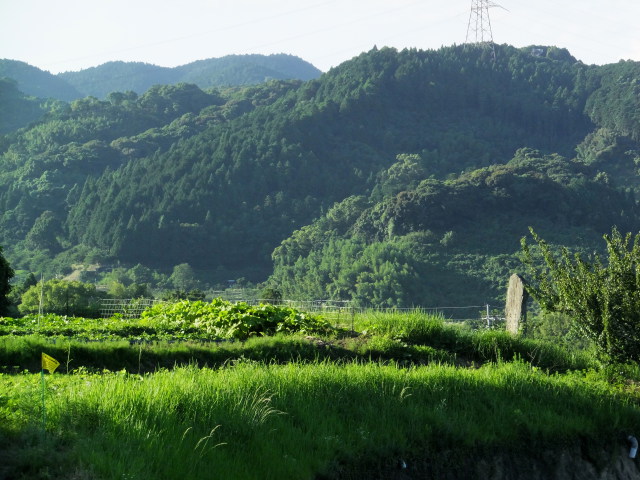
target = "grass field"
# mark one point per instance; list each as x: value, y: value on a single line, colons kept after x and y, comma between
x: 296, y: 406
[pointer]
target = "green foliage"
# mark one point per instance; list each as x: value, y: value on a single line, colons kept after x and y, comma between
x: 264, y: 390
x: 603, y: 298
x: 6, y: 274
x: 410, y: 338
x: 378, y: 274
x: 616, y: 103
x: 447, y: 240
x: 183, y: 277
x: 271, y: 294
x: 86, y: 329
x: 18, y: 110
x: 417, y: 329
x: 558, y: 328
x: 15, y: 296
x: 45, y: 232
x: 134, y: 290
x: 403, y: 175
x: 61, y: 297
x: 221, y: 319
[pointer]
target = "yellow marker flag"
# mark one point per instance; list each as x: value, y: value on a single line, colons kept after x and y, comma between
x: 49, y: 363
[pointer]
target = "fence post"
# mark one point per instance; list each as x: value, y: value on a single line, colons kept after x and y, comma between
x: 353, y: 316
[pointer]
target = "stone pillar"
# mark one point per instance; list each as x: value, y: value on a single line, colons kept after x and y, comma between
x: 515, y: 310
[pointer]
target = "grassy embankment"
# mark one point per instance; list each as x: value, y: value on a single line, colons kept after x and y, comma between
x: 290, y: 407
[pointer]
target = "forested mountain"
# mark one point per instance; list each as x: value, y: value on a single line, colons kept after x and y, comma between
x: 246, y: 70
x: 213, y: 72
x: 397, y: 178
x: 17, y: 109
x: 138, y: 77
x: 37, y: 83
x: 448, y: 242
x: 118, y: 77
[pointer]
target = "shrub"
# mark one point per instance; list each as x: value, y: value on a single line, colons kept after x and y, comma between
x: 603, y: 299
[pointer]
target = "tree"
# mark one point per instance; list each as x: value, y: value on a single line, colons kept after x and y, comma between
x: 135, y: 290
x: 271, y: 294
x: 44, y: 232
x: 6, y: 274
x: 17, y: 291
x: 183, y: 277
x: 603, y: 299
x: 405, y: 174
x: 141, y: 274
x: 61, y: 297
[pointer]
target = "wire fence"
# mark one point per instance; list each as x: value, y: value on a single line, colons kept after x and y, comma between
x: 127, y: 307
x: 339, y: 312
x: 339, y: 309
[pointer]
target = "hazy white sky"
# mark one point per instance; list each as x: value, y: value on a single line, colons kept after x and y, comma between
x: 62, y: 35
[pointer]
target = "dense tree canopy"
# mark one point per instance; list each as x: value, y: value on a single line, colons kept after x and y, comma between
x: 6, y: 273
x: 390, y: 179
x: 17, y: 109
x: 452, y: 241
x: 61, y: 297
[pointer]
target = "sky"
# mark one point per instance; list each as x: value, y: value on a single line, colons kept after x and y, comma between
x: 70, y: 35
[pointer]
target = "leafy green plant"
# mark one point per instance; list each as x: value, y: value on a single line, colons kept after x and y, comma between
x: 6, y: 273
x: 183, y: 320
x: 602, y: 298
x: 222, y: 319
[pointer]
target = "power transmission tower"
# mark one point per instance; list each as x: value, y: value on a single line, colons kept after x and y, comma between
x: 479, y: 27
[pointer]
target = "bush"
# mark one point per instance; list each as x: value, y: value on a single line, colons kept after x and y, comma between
x: 603, y: 299
x: 61, y: 297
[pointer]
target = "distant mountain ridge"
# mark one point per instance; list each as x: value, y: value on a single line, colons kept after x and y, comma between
x: 118, y: 76
x: 37, y: 83
x: 231, y: 70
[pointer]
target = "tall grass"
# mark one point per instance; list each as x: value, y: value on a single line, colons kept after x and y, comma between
x: 23, y: 353
x: 420, y: 328
x: 298, y: 408
x: 418, y: 342
x: 255, y: 421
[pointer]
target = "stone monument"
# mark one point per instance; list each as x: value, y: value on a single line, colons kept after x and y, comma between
x: 515, y: 310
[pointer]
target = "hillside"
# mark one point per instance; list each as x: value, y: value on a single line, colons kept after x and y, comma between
x: 37, y: 83
x: 118, y: 77
x: 436, y: 162
x: 448, y: 242
x: 139, y: 77
x: 246, y: 70
x: 213, y: 72
x: 17, y: 109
